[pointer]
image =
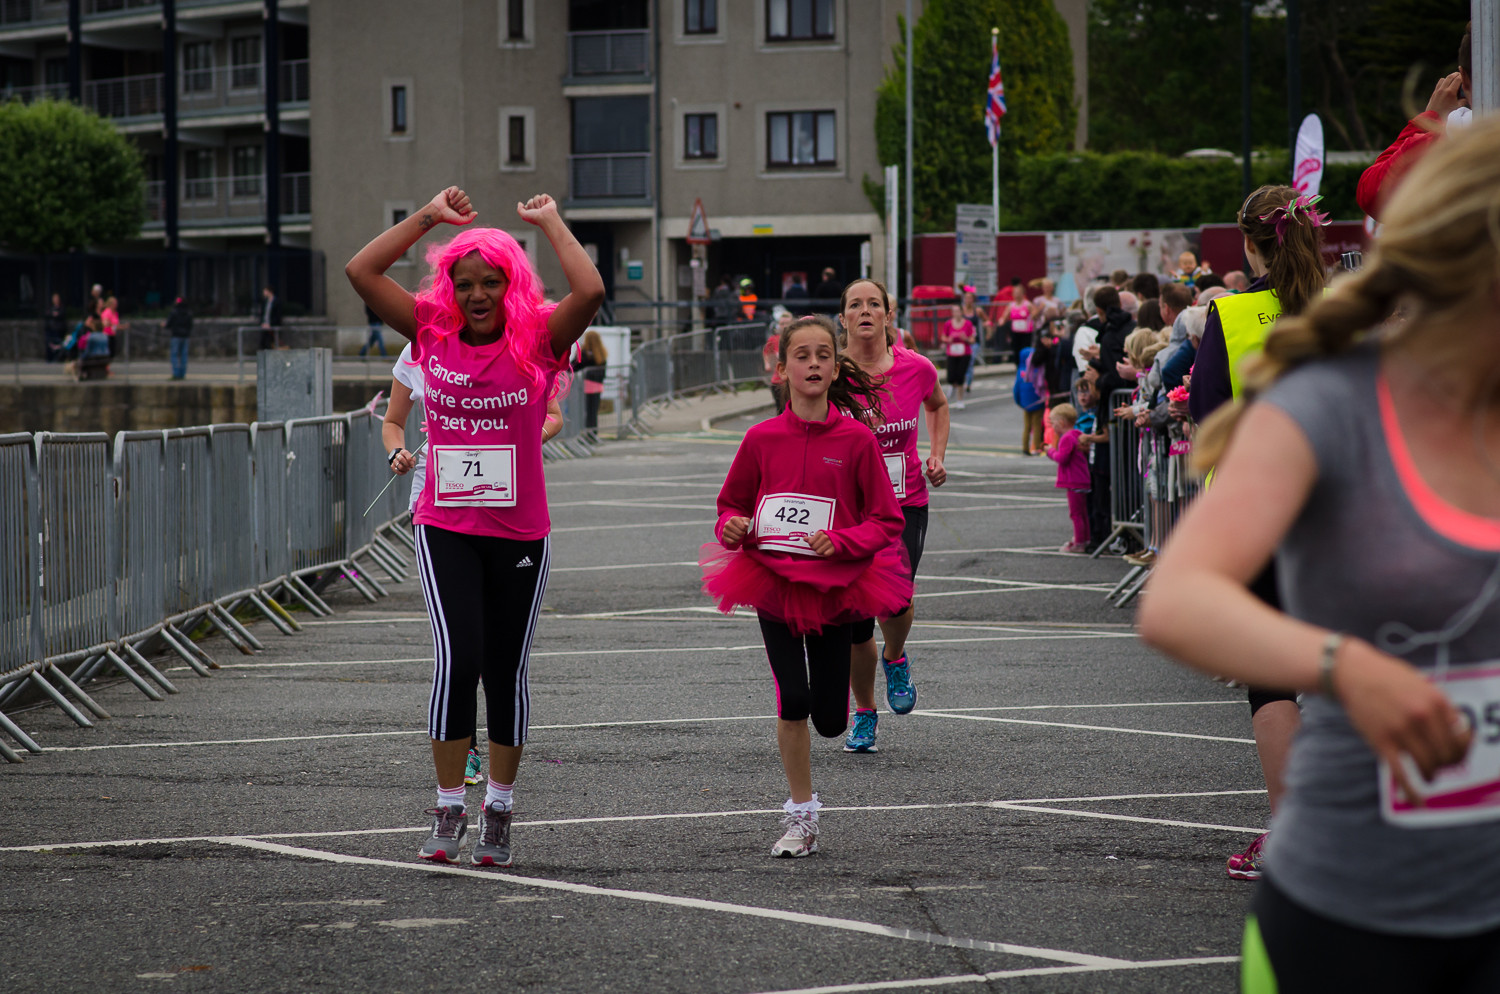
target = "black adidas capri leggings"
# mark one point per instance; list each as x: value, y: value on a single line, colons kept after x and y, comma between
x: 484, y: 595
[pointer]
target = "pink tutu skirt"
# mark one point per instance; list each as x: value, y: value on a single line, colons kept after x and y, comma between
x: 736, y: 576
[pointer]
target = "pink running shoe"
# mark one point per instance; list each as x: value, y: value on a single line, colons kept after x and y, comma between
x: 1246, y: 865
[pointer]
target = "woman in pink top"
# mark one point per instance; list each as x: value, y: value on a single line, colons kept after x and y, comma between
x: 809, y: 535
x: 110, y: 318
x: 910, y: 388
x: 957, y: 338
x: 491, y: 352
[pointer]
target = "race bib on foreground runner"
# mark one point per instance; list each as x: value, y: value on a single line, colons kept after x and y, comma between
x: 475, y: 475
x: 783, y: 522
x: 895, y: 467
x: 1468, y: 792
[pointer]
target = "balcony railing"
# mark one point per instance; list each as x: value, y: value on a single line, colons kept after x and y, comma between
x: 116, y: 6
x: 127, y: 96
x: 609, y: 53
x: 230, y: 198
x: 26, y: 94
x: 618, y: 175
x: 26, y: 11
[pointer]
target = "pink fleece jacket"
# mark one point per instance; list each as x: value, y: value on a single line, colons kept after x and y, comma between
x: 1072, y: 461
x: 837, y: 458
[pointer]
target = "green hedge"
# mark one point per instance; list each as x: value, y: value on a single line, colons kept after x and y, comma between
x: 1070, y: 191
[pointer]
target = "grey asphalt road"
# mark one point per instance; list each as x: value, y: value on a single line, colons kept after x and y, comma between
x: 1054, y: 817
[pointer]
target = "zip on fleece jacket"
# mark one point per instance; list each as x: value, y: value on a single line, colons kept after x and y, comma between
x: 837, y: 457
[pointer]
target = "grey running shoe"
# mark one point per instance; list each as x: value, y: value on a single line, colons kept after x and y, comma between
x: 801, y: 838
x: 449, y: 826
x: 493, y: 847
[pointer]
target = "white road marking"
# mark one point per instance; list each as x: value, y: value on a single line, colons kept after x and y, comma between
x: 1029, y: 588
x: 709, y: 524
x: 1042, y: 707
x: 982, y: 978
x: 1090, y: 728
x: 752, y: 911
x: 638, y: 502
x: 936, y: 713
x: 1040, y: 550
x: 582, y: 569
x: 406, y: 830
x: 1136, y: 818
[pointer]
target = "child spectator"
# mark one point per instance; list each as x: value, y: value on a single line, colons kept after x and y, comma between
x: 1030, y: 393
x: 1072, y: 472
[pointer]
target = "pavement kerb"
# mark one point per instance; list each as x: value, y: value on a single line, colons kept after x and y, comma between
x: 743, y: 412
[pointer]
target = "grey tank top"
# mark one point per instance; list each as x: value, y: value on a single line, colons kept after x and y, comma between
x: 1360, y: 556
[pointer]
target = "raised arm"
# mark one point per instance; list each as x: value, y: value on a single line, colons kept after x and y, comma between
x: 392, y: 302
x: 586, y: 288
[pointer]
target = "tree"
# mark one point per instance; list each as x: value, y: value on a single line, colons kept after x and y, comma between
x: 67, y: 179
x: 951, y: 155
x: 1165, y: 76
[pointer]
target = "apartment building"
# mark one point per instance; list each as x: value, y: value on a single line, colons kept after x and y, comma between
x: 763, y: 109
x: 215, y: 94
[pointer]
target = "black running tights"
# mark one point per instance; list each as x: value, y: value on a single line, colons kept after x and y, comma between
x: 812, y: 674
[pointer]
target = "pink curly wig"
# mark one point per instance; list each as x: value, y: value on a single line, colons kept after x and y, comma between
x: 525, y: 311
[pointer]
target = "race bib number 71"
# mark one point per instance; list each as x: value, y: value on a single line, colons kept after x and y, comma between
x: 783, y: 522
x: 475, y: 475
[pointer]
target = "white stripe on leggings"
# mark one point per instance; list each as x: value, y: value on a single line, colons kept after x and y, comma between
x: 442, y: 656
x: 522, y: 717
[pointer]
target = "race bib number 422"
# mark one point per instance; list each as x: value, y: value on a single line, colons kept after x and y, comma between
x: 1468, y: 792
x: 475, y: 475
x: 783, y: 522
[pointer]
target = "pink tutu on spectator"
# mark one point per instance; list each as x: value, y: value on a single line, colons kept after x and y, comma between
x: 752, y: 578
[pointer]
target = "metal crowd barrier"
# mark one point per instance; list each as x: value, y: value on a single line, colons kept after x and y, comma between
x: 1126, y: 492
x: 721, y: 358
x: 112, y: 550
x: 1166, y: 484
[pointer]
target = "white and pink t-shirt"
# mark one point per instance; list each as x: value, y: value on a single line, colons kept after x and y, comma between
x: 484, y: 423
x: 908, y: 382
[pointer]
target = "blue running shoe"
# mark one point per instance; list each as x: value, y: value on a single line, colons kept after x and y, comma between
x: 899, y: 693
x: 472, y: 771
x: 862, y: 736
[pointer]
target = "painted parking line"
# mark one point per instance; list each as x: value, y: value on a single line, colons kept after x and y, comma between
x: 676, y: 816
x: 699, y: 904
x: 984, y: 978
x: 1040, y: 809
x: 658, y: 721
x: 1089, y: 728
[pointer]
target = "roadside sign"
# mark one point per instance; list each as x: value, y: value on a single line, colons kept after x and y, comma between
x: 697, y: 233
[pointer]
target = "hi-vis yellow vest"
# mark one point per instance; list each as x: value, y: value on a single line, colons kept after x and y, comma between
x: 1246, y: 319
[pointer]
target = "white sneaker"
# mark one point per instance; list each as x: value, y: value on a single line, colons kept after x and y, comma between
x: 957, y: 405
x: 801, y: 838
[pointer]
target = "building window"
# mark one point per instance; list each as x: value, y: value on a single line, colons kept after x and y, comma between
x: 702, y: 136
x: 515, y: 20
x: 702, y: 17
x: 244, y: 59
x: 398, y: 215
x: 398, y: 110
x: 198, y: 174
x: 803, y: 138
x: 798, y: 20
x: 246, y: 164
x: 516, y: 148
x: 198, y: 67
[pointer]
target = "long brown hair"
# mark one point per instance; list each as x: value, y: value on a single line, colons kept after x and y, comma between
x: 1438, y: 256
x: 853, y: 391
x: 1294, y: 260
x: 885, y: 296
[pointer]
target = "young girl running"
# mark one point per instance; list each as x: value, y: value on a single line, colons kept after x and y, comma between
x: 1364, y: 461
x: 909, y: 386
x: 808, y: 535
x: 491, y: 351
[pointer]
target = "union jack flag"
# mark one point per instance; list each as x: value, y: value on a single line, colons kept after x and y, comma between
x: 994, y: 101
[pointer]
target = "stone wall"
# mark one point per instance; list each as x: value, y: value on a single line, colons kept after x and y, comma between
x: 114, y: 406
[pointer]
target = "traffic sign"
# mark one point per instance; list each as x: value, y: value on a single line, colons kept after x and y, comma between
x: 697, y: 233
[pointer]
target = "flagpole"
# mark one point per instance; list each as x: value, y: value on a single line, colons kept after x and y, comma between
x: 995, y: 159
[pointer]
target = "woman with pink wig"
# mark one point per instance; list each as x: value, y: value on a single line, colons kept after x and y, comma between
x: 491, y: 352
